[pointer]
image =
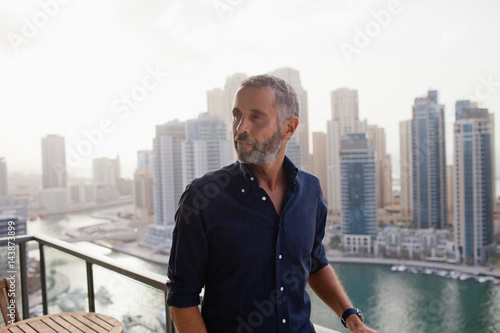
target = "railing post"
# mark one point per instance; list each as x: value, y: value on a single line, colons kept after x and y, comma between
x: 90, y: 286
x: 43, y: 278
x: 168, y: 321
x: 24, y: 280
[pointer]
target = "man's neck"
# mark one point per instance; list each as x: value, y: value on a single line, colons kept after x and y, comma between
x: 270, y: 175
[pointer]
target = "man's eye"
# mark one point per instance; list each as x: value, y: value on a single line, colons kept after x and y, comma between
x: 256, y: 117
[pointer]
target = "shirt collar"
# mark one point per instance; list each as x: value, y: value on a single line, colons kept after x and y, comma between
x: 246, y: 177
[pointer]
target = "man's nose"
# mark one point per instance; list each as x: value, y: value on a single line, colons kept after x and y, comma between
x: 243, y: 125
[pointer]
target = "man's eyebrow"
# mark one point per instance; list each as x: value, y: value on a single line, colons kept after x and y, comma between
x: 258, y: 112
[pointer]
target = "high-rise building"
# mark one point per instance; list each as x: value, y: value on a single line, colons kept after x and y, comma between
x: 301, y: 136
x: 81, y: 193
x: 450, y: 185
x: 182, y: 151
x: 376, y: 138
x: 344, y: 121
x: 106, y: 173
x: 220, y: 101
x: 53, y: 199
x: 4, y: 188
x: 359, y: 193
x: 460, y: 105
x: 474, y: 194
x: 345, y: 110
x: 168, y: 184
x: 406, y: 167
x: 205, y: 148
x: 54, y: 161
x: 429, y: 163
x: 167, y: 171
x: 143, y: 185
x: 319, y: 161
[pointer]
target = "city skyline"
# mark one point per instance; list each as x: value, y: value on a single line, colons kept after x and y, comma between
x: 170, y: 56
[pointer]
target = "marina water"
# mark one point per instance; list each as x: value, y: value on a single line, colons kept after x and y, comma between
x: 391, y: 301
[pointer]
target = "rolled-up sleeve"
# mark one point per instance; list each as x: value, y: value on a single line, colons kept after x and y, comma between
x: 189, y: 253
x: 318, y: 255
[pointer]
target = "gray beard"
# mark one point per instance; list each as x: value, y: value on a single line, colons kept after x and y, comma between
x: 263, y: 154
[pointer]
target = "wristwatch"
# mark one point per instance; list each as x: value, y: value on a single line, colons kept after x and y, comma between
x: 349, y: 312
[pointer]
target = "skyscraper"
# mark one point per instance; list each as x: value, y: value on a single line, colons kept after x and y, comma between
x: 106, y: 173
x: 460, y: 105
x: 205, y: 148
x: 301, y: 137
x: 168, y: 170
x: 4, y: 189
x: 359, y: 194
x: 429, y: 163
x: 474, y: 195
x: 319, y: 161
x: 344, y: 121
x: 168, y: 183
x: 376, y: 138
x: 220, y: 101
x: 345, y: 109
x: 143, y: 185
x: 54, y: 161
x: 406, y: 167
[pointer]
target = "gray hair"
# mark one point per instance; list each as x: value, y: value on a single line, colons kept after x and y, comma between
x: 286, y: 102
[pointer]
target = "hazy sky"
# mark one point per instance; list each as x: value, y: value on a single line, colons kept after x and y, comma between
x: 70, y: 71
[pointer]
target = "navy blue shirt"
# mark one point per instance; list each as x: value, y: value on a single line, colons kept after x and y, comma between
x: 253, y: 263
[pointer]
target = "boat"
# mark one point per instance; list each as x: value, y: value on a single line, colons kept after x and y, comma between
x: 130, y: 321
x: 103, y: 295
x: 454, y: 275
x: 464, y: 277
x: 442, y: 273
x: 401, y: 268
x: 414, y: 270
x: 481, y: 279
x: 72, y: 301
x: 428, y: 271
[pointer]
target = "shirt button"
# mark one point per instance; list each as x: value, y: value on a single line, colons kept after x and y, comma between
x: 251, y: 178
x: 263, y: 198
x: 242, y: 190
x: 281, y: 289
x: 284, y: 321
x: 280, y: 256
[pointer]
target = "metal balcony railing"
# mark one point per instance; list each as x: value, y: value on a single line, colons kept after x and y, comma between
x: 150, y: 279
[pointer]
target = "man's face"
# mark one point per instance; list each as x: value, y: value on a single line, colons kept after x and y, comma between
x: 256, y: 130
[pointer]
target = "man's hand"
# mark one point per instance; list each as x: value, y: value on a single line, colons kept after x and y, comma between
x: 355, y: 325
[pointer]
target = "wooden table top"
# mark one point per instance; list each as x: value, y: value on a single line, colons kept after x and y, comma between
x: 66, y: 322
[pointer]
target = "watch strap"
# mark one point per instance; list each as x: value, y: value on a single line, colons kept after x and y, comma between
x: 346, y: 314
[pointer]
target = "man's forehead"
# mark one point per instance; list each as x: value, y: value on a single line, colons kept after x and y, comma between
x: 255, y: 95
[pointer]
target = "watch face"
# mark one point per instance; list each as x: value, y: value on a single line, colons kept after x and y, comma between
x: 360, y: 314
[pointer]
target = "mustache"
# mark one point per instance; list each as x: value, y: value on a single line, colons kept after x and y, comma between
x: 244, y: 137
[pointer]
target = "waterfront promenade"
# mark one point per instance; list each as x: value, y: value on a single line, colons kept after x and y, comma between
x: 471, y: 270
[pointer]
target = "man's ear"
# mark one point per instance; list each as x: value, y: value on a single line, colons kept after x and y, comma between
x: 289, y: 127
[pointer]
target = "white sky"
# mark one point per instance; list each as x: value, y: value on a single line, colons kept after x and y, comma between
x: 65, y: 76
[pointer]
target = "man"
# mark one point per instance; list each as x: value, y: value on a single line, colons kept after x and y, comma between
x: 251, y: 232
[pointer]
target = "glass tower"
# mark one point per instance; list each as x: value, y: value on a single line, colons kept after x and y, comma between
x: 429, y: 163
